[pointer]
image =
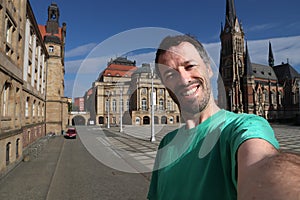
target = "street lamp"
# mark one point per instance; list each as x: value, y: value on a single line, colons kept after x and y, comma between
x: 108, y: 93
x: 121, y: 109
x: 152, y: 107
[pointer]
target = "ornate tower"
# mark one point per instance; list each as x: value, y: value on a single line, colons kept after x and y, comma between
x: 56, y: 103
x: 232, y: 62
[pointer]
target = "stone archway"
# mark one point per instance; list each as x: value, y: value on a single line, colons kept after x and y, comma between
x: 156, y: 120
x: 78, y: 120
x: 101, y: 120
x: 146, y: 120
x: 164, y: 120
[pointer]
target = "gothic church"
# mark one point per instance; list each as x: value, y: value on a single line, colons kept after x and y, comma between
x: 269, y: 91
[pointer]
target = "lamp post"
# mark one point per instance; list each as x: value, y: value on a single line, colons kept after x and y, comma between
x: 121, y: 109
x: 108, y: 125
x: 152, y: 108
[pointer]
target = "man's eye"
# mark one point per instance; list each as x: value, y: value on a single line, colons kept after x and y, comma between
x: 169, y: 76
x: 189, y: 67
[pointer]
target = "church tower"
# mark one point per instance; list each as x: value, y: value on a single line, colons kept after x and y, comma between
x: 232, y: 62
x: 56, y: 103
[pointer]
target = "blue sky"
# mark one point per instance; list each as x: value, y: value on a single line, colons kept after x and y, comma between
x: 96, y: 29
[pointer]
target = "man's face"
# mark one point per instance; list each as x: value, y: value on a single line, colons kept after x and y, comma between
x: 184, y: 74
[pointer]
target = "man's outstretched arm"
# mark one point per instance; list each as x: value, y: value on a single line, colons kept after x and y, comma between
x: 264, y: 173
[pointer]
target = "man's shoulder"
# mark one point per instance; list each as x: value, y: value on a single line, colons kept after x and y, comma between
x: 238, y: 118
x: 168, y: 137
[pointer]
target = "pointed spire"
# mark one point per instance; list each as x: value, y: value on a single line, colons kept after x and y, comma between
x: 248, y: 66
x: 230, y: 12
x: 271, y: 57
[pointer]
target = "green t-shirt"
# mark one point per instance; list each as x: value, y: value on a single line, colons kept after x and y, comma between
x: 200, y: 163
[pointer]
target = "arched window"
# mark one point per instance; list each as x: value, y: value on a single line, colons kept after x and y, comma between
x: 280, y: 98
x: 39, y: 109
x: 5, y: 101
x: 137, y: 121
x: 33, y: 109
x: 101, y: 120
x: 17, y: 147
x: 8, y: 153
x: 27, y: 107
x: 161, y: 104
x: 144, y: 104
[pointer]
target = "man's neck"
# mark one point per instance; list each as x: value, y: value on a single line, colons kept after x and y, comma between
x: 195, y: 119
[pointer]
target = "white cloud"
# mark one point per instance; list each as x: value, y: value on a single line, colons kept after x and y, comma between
x: 71, y: 67
x: 262, y: 27
x: 81, y: 50
x: 283, y: 48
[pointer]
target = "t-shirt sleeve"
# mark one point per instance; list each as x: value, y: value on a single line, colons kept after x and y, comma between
x: 253, y: 127
x: 249, y: 127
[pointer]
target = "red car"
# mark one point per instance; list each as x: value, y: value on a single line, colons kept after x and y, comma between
x: 71, y: 133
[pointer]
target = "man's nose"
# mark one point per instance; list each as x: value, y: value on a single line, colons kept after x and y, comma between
x: 184, y: 76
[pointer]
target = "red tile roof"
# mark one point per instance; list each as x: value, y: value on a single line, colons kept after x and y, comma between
x: 119, y: 70
x: 44, y: 32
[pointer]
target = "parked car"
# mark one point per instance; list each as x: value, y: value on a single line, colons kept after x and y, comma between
x: 71, y: 133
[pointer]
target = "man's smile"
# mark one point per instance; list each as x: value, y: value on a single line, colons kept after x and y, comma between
x: 190, y: 92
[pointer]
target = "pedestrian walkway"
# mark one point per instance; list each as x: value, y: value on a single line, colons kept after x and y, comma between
x: 33, y: 176
x: 135, y: 140
x: 288, y: 137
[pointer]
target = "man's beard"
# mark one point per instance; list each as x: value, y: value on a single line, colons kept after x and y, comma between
x: 197, y: 105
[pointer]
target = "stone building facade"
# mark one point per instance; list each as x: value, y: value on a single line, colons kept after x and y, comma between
x: 165, y: 109
x: 24, y: 62
x: 266, y: 90
x: 123, y: 91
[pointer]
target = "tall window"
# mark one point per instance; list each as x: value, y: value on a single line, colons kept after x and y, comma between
x: 17, y: 147
x: 144, y: 104
x: 39, y: 110
x: 8, y: 153
x: 33, y: 109
x: 279, y: 98
x: 5, y: 100
x: 266, y: 96
x: 161, y: 104
x: 114, y: 105
x: 42, y: 110
x: 169, y: 105
x: 27, y: 107
x: 9, y: 30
